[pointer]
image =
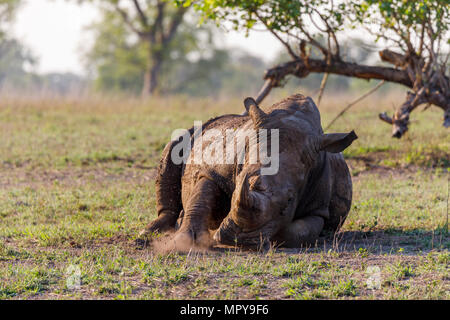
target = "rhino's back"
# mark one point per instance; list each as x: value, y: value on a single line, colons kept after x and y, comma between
x: 227, y: 121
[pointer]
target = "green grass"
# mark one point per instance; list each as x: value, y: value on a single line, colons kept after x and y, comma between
x: 77, y: 185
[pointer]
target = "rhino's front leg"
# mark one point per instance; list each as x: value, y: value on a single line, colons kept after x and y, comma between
x: 197, y: 215
x: 300, y: 232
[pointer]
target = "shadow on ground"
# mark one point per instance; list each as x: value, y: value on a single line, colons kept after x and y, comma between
x: 390, y: 241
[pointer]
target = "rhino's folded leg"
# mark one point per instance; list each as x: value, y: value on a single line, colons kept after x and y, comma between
x: 164, y: 222
x: 198, y: 214
x: 300, y: 232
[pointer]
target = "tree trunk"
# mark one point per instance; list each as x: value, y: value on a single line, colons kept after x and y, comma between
x: 151, y: 77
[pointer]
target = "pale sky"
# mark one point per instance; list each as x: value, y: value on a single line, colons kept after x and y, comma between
x: 54, y: 31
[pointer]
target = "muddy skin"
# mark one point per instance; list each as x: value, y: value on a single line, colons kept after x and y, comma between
x: 234, y: 204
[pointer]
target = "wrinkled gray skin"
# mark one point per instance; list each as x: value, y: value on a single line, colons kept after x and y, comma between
x: 236, y: 205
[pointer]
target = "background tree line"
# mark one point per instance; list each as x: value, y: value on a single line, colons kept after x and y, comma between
x: 145, y: 47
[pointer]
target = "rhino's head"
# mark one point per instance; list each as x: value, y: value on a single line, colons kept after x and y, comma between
x: 262, y: 204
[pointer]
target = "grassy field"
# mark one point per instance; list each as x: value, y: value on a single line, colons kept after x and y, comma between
x: 77, y: 185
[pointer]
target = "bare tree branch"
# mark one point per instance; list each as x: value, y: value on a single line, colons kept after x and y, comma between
x: 128, y: 21
x: 331, y: 33
x: 141, y: 13
x: 351, y: 104
x: 299, y: 69
x: 313, y: 41
x: 322, y: 88
x: 158, y: 24
x: 176, y: 21
x: 287, y: 46
x: 265, y: 90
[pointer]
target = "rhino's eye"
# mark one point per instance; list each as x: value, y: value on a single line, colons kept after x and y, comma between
x: 287, y: 209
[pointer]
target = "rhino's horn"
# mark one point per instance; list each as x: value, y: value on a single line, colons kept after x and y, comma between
x: 255, y: 111
x: 245, y: 197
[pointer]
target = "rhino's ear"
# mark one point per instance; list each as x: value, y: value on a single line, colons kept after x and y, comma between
x: 336, y: 142
x: 254, y: 111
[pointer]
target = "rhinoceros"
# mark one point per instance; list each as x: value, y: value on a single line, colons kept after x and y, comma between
x: 235, y: 204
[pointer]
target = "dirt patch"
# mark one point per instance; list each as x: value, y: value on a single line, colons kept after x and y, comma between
x: 16, y: 177
x: 363, y: 166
